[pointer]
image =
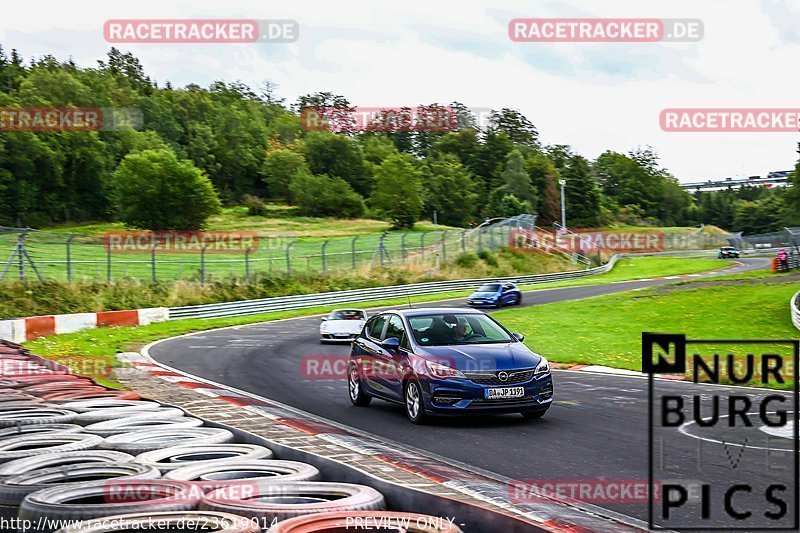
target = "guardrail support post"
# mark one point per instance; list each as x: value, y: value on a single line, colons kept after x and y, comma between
x: 353, y: 250
x: 69, y: 258
x: 288, y: 260
x: 324, y: 264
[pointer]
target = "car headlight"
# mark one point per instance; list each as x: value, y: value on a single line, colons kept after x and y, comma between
x: 443, y: 371
x: 542, y: 368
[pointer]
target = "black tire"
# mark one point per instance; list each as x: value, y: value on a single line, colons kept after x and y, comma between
x: 519, y: 299
x: 76, y: 501
x: 12, y: 414
x: 13, y: 489
x: 412, y: 395
x: 11, y: 432
x: 138, y: 442
x: 179, y: 456
x: 279, y: 501
x: 533, y: 414
x: 224, y: 472
x: 172, y: 521
x: 141, y: 422
x: 51, y: 460
x: 45, y: 443
x: 355, y: 388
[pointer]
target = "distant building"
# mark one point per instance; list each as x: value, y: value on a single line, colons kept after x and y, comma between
x: 779, y: 178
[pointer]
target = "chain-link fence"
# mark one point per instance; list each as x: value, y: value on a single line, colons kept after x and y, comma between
x: 28, y: 254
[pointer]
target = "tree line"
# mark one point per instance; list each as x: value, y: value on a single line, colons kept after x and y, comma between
x: 201, y: 148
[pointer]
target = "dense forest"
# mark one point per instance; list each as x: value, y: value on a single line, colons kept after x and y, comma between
x: 201, y: 148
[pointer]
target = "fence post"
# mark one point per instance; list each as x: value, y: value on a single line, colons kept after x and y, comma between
x: 463, y: 241
x: 403, y: 247
x: 480, y: 240
x: 247, y: 264
x: 353, y: 250
x: 153, y: 260
x: 422, y: 244
x: 324, y: 263
x: 108, y: 265
x: 288, y: 260
x: 381, y: 249
x: 69, y: 258
x: 203, y: 264
x: 444, y: 246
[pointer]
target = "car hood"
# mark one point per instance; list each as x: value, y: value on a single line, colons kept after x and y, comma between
x: 483, y: 294
x: 347, y: 326
x: 483, y: 357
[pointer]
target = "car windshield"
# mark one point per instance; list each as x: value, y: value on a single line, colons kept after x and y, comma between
x: 346, y: 314
x: 447, y: 329
x: 489, y: 287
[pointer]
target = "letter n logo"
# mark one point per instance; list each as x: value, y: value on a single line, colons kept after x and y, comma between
x: 663, y: 353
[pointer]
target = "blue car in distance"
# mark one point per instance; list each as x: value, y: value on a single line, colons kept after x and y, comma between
x: 447, y: 362
x: 495, y: 295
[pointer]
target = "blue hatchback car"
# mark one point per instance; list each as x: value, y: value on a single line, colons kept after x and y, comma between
x: 495, y: 295
x: 447, y: 362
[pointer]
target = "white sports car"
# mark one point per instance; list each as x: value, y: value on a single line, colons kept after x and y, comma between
x: 342, y: 325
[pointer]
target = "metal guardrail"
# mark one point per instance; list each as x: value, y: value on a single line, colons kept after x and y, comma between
x: 301, y: 301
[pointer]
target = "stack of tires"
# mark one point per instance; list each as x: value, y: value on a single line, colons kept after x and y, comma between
x: 77, y: 457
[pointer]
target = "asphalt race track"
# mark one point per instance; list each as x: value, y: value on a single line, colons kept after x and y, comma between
x: 597, y: 428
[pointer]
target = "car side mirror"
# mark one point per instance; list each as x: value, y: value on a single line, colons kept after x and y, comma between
x: 519, y: 336
x: 324, y: 318
x: 392, y: 343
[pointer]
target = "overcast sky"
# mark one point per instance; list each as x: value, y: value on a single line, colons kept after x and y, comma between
x: 594, y: 97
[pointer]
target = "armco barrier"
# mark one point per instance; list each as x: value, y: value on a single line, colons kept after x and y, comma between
x: 282, y: 303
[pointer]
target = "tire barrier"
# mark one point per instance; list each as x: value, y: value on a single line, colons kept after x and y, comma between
x: 241, y: 471
x: 16, y: 431
x: 84, y: 501
x: 61, y: 459
x: 12, y: 414
x: 366, y: 521
x: 13, y: 489
x: 116, y: 426
x: 138, y: 442
x: 89, y: 395
x: 270, y: 501
x: 46, y: 443
x: 179, y: 456
x: 186, y: 521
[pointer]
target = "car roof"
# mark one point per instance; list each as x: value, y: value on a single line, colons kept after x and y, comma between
x: 347, y: 309
x: 435, y: 310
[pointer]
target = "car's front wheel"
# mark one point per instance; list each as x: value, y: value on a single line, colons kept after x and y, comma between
x: 358, y: 397
x: 518, y: 300
x: 415, y: 407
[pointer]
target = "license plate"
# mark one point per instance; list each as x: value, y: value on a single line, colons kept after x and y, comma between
x: 341, y: 334
x: 504, y: 393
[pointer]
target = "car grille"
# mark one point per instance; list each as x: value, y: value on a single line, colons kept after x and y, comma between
x: 490, y: 378
x: 481, y: 402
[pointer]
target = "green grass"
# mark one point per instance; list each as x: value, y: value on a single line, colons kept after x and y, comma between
x: 631, y: 268
x: 606, y: 330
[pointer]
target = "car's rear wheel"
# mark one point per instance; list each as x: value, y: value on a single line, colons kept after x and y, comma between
x: 533, y: 414
x: 358, y: 397
x: 518, y: 300
x: 415, y: 407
